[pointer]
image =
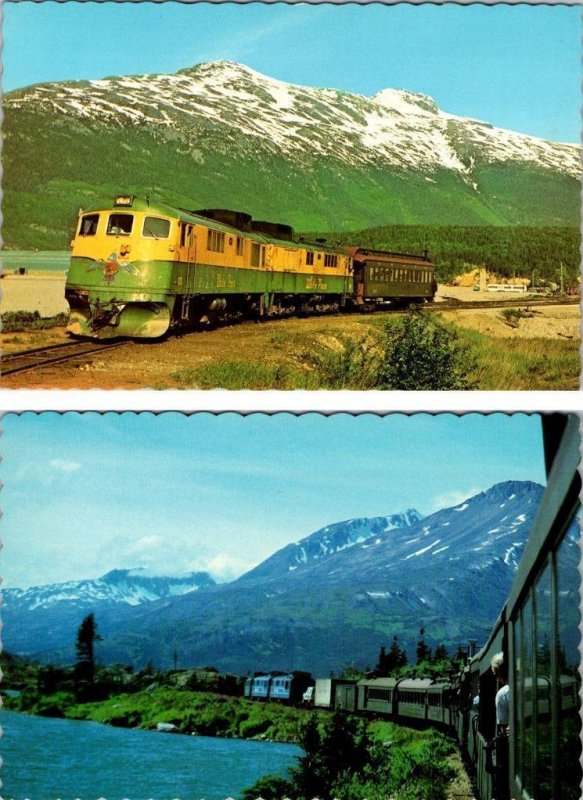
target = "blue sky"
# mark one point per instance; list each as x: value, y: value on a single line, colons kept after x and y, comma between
x: 86, y: 493
x: 514, y: 66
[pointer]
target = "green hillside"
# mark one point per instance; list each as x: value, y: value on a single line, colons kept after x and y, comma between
x: 55, y: 164
x: 505, y: 250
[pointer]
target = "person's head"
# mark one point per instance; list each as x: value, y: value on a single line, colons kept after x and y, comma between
x: 498, y: 666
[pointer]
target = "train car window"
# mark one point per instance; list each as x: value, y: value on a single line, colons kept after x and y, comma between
x: 240, y: 245
x: 309, y: 258
x: 88, y: 226
x: 567, y: 655
x: 330, y: 260
x: 524, y: 692
x: 215, y: 241
x: 487, y: 706
x: 542, y: 711
x: 255, y: 254
x: 120, y: 224
x: 156, y: 228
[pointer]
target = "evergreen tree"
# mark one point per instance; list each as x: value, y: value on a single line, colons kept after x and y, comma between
x: 382, y: 667
x: 397, y: 657
x: 440, y: 653
x: 423, y: 652
x: 85, y: 666
x: 339, y: 751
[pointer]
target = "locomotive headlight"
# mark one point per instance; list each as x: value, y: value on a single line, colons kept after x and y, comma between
x: 124, y: 200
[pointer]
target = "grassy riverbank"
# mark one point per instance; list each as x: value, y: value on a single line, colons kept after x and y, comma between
x: 201, y: 713
x: 192, y: 712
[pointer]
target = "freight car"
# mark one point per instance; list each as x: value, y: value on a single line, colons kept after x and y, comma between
x: 141, y: 269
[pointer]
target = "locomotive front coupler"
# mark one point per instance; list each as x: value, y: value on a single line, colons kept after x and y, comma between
x: 106, y: 315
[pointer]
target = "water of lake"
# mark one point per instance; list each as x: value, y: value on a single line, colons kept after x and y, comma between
x: 50, y: 759
x: 36, y: 261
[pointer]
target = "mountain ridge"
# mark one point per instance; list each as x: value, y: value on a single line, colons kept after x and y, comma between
x: 221, y: 135
x: 449, y: 571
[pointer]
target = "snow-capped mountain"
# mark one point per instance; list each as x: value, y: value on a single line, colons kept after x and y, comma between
x: 332, y: 598
x: 330, y: 540
x: 131, y: 587
x: 222, y: 134
x: 396, y: 127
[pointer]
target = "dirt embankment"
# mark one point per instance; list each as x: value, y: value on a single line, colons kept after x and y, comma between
x: 281, y: 343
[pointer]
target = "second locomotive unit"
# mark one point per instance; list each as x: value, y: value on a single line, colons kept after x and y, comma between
x: 140, y: 269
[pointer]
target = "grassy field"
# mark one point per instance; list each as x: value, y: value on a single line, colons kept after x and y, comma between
x: 523, y: 364
x: 334, y: 360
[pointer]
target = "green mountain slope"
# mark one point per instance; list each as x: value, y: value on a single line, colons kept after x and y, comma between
x: 194, y: 150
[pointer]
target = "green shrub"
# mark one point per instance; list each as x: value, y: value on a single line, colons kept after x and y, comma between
x: 422, y: 354
x: 31, y: 320
x: 270, y: 787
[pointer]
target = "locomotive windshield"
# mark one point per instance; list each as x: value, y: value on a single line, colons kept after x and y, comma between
x: 120, y: 224
x: 88, y: 226
x: 156, y: 228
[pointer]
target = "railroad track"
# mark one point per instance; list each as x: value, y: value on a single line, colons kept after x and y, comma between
x: 28, y: 360
x: 452, y: 304
x: 40, y: 357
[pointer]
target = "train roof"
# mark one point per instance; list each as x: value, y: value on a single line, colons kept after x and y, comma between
x: 365, y: 253
x: 387, y: 683
x: 418, y: 684
x: 145, y: 204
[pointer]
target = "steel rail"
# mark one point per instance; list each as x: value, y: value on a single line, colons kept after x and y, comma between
x: 39, y: 357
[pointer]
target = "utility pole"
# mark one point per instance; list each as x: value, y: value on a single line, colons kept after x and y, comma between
x: 562, y: 285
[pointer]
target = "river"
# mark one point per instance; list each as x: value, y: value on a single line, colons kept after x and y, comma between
x: 50, y: 759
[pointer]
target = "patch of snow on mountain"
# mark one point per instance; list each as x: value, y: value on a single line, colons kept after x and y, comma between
x: 461, y: 508
x: 510, y: 554
x: 423, y: 550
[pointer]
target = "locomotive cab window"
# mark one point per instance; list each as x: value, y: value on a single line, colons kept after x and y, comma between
x: 88, y: 226
x: 257, y: 255
x: 120, y: 224
x: 309, y: 258
x: 156, y: 228
x: 216, y: 241
x: 185, y: 232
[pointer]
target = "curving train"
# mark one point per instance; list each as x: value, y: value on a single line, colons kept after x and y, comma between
x: 141, y: 269
x: 538, y: 757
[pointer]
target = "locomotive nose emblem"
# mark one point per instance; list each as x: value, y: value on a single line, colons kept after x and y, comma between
x: 110, y: 269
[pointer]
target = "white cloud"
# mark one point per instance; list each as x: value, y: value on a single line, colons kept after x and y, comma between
x: 451, y: 499
x: 223, y: 567
x: 64, y: 466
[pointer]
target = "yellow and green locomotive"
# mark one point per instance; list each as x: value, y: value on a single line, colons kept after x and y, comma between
x: 140, y: 269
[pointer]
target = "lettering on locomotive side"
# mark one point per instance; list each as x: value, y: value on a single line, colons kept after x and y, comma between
x: 315, y: 283
x: 226, y: 282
